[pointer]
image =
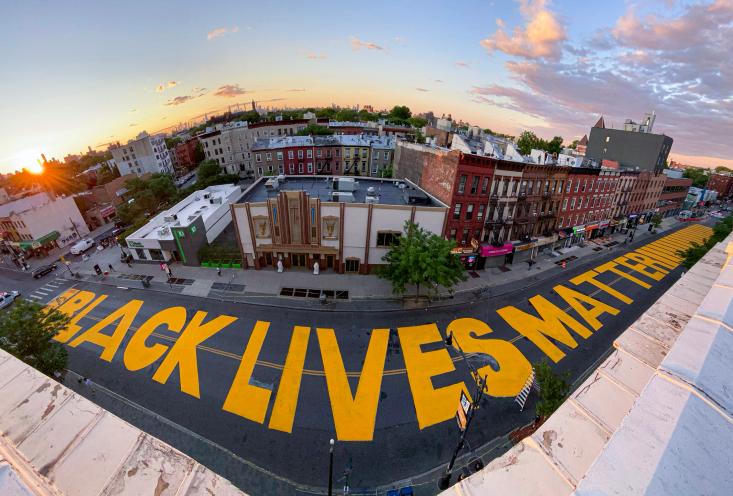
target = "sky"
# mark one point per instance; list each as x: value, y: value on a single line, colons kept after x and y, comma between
x: 78, y: 74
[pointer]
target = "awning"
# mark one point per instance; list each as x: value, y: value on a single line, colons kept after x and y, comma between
x: 590, y: 227
x: 494, y: 251
x: 546, y: 240
x: 42, y: 241
x: 603, y: 223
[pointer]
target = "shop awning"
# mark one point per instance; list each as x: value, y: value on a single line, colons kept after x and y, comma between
x: 495, y: 251
x: 42, y: 241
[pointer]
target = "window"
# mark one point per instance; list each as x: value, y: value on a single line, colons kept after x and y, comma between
x: 462, y: 185
x: 300, y: 168
x: 258, y: 157
x: 291, y: 168
x: 569, y: 186
x: 464, y: 238
x: 457, y: 211
x: 156, y: 254
x: 300, y: 153
x: 474, y: 184
x: 452, y: 234
x: 268, y: 156
x: 376, y: 155
x: 385, y: 239
x: 310, y: 167
x: 564, y: 204
x: 572, y: 203
x: 577, y: 185
x: 484, y: 185
x: 352, y: 265
x: 279, y: 155
x: 347, y: 153
x: 469, y: 211
x: 309, y: 153
x: 480, y: 215
x: 319, y: 153
x: 290, y: 154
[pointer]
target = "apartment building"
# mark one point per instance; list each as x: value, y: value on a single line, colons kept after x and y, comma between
x: 230, y: 144
x: 354, y: 155
x: 142, y: 155
x: 722, y: 183
x: 674, y: 193
x: 185, y: 154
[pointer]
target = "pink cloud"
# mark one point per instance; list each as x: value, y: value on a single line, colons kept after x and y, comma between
x: 357, y: 44
x: 219, y: 32
x: 229, y: 91
x: 542, y: 37
x: 463, y: 64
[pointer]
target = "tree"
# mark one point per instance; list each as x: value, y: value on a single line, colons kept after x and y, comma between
x: 656, y: 220
x: 417, y: 122
x: 107, y: 174
x: 698, y: 176
x: 207, y: 169
x: 553, y: 146
x: 171, y: 143
x: 553, y: 388
x: 419, y: 136
x: 527, y: 141
x: 696, y: 251
x: 26, y: 332
x: 315, y: 130
x: 419, y: 257
x: 400, y: 114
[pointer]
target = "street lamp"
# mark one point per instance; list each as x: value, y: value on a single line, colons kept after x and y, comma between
x: 330, y: 468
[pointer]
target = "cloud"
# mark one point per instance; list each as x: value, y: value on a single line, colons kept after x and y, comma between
x: 229, y: 91
x: 295, y: 90
x: 357, y: 44
x: 219, y: 32
x: 179, y: 100
x: 173, y: 84
x: 399, y: 40
x: 422, y: 89
x: 315, y: 56
x: 160, y: 88
x: 463, y: 64
x: 438, y: 80
x: 132, y: 111
x: 133, y: 125
x: 542, y: 37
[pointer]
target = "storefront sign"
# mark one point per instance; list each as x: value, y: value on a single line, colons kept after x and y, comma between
x: 525, y: 247
x: 591, y: 227
x: 603, y: 223
x: 134, y: 244
x: 495, y: 251
x: 578, y: 229
x: 107, y: 211
x: 461, y: 251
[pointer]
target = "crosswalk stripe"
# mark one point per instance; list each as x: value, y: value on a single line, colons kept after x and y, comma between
x: 41, y: 292
x: 36, y: 297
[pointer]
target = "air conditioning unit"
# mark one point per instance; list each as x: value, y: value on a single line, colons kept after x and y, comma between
x: 207, y: 196
x: 372, y: 199
x: 215, y: 201
x: 342, y: 196
x: 170, y: 218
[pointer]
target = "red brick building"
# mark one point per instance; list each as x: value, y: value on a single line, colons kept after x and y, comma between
x: 577, y: 203
x: 673, y: 195
x: 186, y: 156
x: 722, y: 183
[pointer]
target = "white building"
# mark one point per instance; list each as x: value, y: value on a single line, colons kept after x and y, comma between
x: 343, y: 224
x: 39, y: 223
x: 178, y: 233
x: 142, y: 155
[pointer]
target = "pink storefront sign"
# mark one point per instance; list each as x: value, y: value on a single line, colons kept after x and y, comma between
x: 494, y: 251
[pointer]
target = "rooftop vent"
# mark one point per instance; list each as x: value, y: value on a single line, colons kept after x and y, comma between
x: 170, y: 218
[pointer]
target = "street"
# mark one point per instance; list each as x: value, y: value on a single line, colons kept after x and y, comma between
x: 255, y: 392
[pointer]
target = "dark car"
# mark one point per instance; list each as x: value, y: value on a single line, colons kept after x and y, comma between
x: 119, y: 230
x: 43, y: 270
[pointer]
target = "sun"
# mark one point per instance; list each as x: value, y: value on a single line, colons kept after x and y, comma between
x: 35, y: 168
x: 28, y: 159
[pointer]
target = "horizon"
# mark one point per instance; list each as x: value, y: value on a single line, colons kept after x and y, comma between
x: 548, y: 67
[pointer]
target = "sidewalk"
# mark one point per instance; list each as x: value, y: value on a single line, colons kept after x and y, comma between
x: 265, y: 286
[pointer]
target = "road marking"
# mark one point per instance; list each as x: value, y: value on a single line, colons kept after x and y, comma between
x: 35, y: 297
x: 40, y: 292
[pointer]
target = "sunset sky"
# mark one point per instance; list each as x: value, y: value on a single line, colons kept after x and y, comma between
x: 87, y: 73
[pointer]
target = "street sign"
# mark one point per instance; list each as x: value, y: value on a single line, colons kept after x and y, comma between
x: 461, y: 414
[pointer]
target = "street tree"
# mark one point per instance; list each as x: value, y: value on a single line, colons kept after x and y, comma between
x: 315, y: 130
x: 26, y: 332
x: 699, y: 176
x: 418, y: 257
x: 656, y: 220
x: 553, y: 388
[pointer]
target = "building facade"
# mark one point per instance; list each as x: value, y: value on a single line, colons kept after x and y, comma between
x: 674, y: 193
x: 301, y: 221
x: 185, y: 154
x: 631, y: 149
x: 722, y: 183
x: 145, y: 154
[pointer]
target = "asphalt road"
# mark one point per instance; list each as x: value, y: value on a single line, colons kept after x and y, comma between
x: 238, y: 425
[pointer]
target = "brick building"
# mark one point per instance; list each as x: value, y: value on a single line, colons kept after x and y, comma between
x: 185, y: 156
x: 722, y: 183
x: 673, y: 195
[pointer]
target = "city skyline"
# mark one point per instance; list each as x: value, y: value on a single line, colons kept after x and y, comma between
x: 90, y: 74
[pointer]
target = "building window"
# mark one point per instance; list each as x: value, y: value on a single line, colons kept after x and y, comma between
x: 464, y: 238
x: 156, y: 254
x: 309, y: 153
x: 290, y: 154
x: 352, y: 265
x: 469, y: 211
x: 310, y: 167
x: 290, y: 168
x: 452, y: 234
x: 258, y: 157
x: 462, y: 185
x: 480, y: 215
x: 564, y: 204
x: 385, y: 239
x: 572, y: 203
x: 300, y: 168
x: 279, y: 155
x: 484, y: 185
x: 457, y: 211
x: 474, y: 184
x: 140, y: 254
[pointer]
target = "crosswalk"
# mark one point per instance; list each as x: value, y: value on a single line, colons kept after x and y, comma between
x: 49, y: 290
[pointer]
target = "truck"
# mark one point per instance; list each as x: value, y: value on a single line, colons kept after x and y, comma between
x: 82, y: 246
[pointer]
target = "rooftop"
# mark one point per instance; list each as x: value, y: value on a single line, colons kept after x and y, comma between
x: 332, y: 140
x: 24, y: 204
x: 388, y: 191
x: 197, y: 204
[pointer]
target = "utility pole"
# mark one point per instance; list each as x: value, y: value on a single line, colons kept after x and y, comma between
x: 330, y: 468
x: 73, y: 226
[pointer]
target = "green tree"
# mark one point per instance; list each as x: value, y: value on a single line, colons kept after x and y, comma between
x: 698, y: 176
x: 419, y: 136
x: 417, y: 122
x: 326, y: 113
x: 161, y: 185
x: 315, y: 130
x: 26, y: 332
x: 207, y: 168
x: 421, y: 258
x: 171, y: 143
x: 400, y: 114
x: 527, y: 141
x: 696, y: 251
x: 346, y: 115
x: 553, y: 388
x: 553, y: 146
x: 107, y: 174
x: 656, y: 220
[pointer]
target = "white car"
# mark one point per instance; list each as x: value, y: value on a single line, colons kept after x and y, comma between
x: 8, y: 297
x: 82, y: 246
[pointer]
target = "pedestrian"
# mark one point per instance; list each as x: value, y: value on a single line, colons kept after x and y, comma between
x: 111, y: 269
x: 218, y: 270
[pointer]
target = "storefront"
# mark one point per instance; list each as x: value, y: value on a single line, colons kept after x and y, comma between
x: 524, y: 251
x: 544, y: 244
x: 39, y: 247
x: 603, y: 227
x: 578, y: 235
x: 614, y: 225
x: 591, y: 230
x: 468, y: 257
x: 565, y: 237
x: 495, y: 256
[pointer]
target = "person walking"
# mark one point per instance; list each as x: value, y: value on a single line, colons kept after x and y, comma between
x: 111, y: 269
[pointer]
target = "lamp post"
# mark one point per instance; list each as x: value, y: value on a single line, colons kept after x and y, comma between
x: 444, y: 481
x: 330, y: 468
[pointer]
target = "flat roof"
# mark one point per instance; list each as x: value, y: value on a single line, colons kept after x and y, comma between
x: 388, y: 191
x: 186, y: 211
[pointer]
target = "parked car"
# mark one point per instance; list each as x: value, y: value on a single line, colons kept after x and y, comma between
x: 41, y: 271
x: 8, y: 297
x: 82, y: 246
x: 119, y: 230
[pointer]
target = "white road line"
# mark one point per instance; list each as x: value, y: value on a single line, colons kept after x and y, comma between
x: 40, y: 292
x: 46, y: 288
x: 36, y: 297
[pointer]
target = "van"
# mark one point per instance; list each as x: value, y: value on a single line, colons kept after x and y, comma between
x: 82, y: 246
